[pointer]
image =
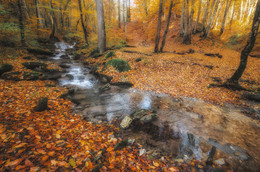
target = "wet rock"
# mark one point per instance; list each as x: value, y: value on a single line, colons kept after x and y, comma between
x: 76, y: 57
x: 69, y: 76
x: 142, y: 152
x: 131, y: 141
x: 126, y: 122
x: 148, y: 118
x: 42, y: 105
x: 121, y: 144
x: 105, y: 88
x: 64, y: 65
x: 34, y: 65
x: 123, y: 84
x: 140, y: 117
x: 77, y: 98
x: 5, y: 68
x: 39, y: 51
x: 104, y: 78
x: 138, y: 59
x: 52, y: 74
x: 219, y: 162
x: 65, y: 56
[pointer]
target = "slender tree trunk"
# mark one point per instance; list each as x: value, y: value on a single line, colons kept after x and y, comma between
x: 182, y: 18
x: 198, y: 18
x: 129, y: 12
x: 187, y: 35
x: 21, y: 25
x: 101, y: 26
x: 54, y: 22
x: 82, y: 22
x: 232, y: 16
x: 211, y: 19
x: 167, y: 27
x: 38, y: 16
x: 157, y: 39
x: 248, y: 48
x: 119, y: 14
x: 224, y: 17
x: 109, y: 13
x: 204, y: 21
x: 27, y: 14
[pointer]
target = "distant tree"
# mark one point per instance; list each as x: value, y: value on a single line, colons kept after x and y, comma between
x: 228, y: 2
x: 198, y: 17
x: 167, y: 26
x: 233, y: 81
x: 119, y: 14
x: 157, y: 38
x: 21, y: 24
x: 82, y: 23
x: 101, y: 26
x: 189, y: 12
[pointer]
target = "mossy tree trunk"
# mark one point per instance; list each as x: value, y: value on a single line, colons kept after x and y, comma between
x: 21, y: 24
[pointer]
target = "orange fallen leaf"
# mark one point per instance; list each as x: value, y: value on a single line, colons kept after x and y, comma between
x: 14, y: 163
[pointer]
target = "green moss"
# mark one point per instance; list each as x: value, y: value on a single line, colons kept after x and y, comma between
x: 34, y: 65
x: 42, y: 105
x: 110, y: 54
x: 31, y: 76
x: 119, y: 64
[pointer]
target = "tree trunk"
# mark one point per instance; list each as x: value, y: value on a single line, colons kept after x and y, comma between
x: 38, y: 16
x: 211, y: 19
x: 198, y: 18
x: 182, y: 18
x: 187, y: 35
x: 232, y: 16
x: 82, y: 22
x: 119, y: 14
x: 21, y: 25
x: 157, y: 39
x: 54, y: 23
x: 101, y: 26
x: 248, y: 48
x: 129, y: 12
x: 224, y: 17
x: 167, y: 26
x: 204, y: 21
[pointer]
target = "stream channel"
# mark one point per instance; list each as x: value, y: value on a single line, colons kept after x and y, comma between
x: 186, y: 128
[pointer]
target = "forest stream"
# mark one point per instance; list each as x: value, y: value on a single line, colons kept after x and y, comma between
x: 185, y: 128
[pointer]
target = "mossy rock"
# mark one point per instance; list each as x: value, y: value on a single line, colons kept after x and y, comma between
x: 39, y: 51
x: 34, y: 65
x: 42, y: 105
x: 119, y: 64
x: 110, y: 54
x: 13, y: 76
x: 96, y: 55
x: 94, y: 51
x: 138, y: 59
x: 5, y: 68
x: 30, y: 76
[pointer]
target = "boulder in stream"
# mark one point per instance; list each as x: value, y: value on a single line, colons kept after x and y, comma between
x: 141, y: 116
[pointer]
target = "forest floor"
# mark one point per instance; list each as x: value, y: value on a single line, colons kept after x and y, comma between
x: 184, y: 70
x: 58, y: 139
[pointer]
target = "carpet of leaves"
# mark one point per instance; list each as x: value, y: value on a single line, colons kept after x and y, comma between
x: 185, y: 75
x: 58, y: 140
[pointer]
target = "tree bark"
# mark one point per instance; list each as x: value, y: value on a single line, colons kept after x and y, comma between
x: 101, y: 26
x: 182, y: 18
x: 248, y: 48
x: 21, y: 25
x: 187, y: 25
x: 211, y: 19
x: 119, y: 14
x: 232, y: 16
x: 82, y: 22
x: 167, y: 27
x: 157, y: 39
x: 204, y: 21
x: 198, y: 17
x: 224, y: 17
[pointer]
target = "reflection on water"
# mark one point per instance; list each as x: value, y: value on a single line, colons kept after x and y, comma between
x: 211, y: 126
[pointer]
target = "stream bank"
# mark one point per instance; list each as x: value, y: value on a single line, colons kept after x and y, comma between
x: 185, y: 129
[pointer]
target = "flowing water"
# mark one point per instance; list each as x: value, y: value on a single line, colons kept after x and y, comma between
x: 186, y: 128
